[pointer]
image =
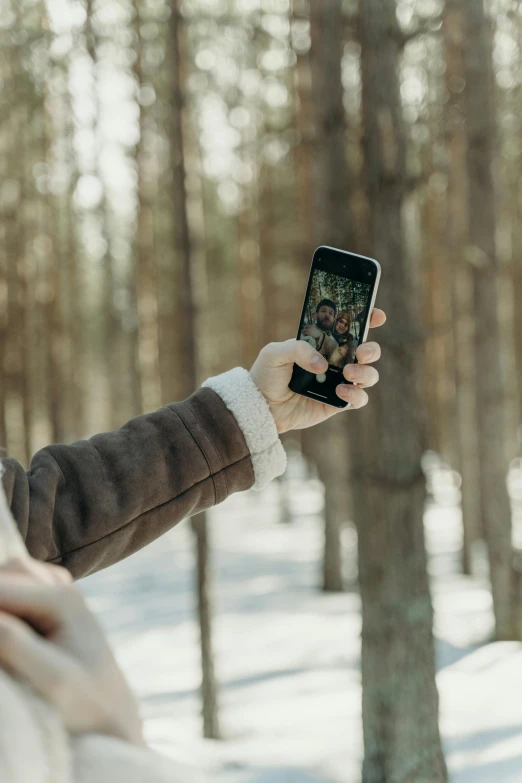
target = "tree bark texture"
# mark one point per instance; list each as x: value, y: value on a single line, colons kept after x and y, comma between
x: 461, y: 284
x: 495, y: 449
x: 188, y: 358
x: 400, y: 700
x: 332, y: 225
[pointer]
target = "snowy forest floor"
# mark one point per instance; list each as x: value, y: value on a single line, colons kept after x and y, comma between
x: 288, y: 656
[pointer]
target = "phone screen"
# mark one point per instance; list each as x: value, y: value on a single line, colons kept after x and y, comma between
x: 334, y: 319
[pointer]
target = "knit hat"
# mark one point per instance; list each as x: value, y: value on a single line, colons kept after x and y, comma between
x: 346, y: 315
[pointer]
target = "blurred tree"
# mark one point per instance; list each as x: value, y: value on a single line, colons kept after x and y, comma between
x: 145, y: 268
x: 4, y: 257
x: 400, y: 700
x: 19, y: 91
x: 303, y: 150
x: 157, y: 220
x: 66, y: 178
x: 331, y: 226
x: 513, y: 162
x: 303, y: 156
x: 3, y: 323
x: 250, y: 322
x: 187, y: 326
x: 59, y: 181
x: 52, y: 260
x: 119, y: 347
x: 435, y: 285
x: 331, y: 183
x: 460, y: 281
x: 495, y: 448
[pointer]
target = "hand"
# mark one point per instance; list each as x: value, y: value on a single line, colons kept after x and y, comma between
x: 273, y: 370
x: 312, y: 331
x: 50, y: 639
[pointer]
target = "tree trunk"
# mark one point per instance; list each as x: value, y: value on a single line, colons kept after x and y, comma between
x: 120, y: 347
x: 332, y: 221
x: 400, y: 700
x: 304, y: 120
x: 73, y: 313
x: 517, y: 286
x: 53, y: 269
x: 251, y: 321
x: 495, y: 449
x: 267, y: 249
x: 433, y: 274
x: 332, y: 226
x: 333, y: 470
x: 145, y: 262
x: 303, y: 155
x: 17, y: 367
x: 4, y: 260
x: 461, y: 283
x: 188, y: 356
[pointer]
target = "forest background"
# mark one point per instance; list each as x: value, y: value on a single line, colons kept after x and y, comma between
x: 167, y: 169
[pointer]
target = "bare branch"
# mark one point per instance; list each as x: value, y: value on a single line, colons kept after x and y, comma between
x: 429, y: 27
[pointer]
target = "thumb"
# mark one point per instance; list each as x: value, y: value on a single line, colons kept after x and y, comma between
x: 294, y: 351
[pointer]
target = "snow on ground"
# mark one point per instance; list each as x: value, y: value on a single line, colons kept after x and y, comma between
x: 288, y: 656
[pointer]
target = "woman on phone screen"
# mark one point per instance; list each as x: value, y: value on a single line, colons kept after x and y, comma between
x: 347, y: 345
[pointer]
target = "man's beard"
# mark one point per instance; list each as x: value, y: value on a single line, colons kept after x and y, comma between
x: 324, y: 326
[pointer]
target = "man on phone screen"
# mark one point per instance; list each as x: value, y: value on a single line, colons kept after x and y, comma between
x: 319, y: 334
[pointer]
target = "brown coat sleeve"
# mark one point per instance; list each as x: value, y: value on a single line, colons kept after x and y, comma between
x: 89, y: 505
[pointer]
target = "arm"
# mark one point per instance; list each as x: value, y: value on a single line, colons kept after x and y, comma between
x: 89, y: 505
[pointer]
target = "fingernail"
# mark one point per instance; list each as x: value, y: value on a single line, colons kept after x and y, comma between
x: 318, y: 363
x: 347, y: 392
x: 354, y: 371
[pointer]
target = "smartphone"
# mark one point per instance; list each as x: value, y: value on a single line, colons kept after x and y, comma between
x: 339, y: 301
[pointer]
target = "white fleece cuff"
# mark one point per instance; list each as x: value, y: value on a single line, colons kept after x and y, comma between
x: 242, y: 397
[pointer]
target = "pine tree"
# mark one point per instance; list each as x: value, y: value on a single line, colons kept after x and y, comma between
x: 400, y: 701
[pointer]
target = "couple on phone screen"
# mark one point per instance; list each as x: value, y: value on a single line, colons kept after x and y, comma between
x: 331, y: 334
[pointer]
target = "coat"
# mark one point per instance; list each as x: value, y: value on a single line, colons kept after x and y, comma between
x: 91, y: 504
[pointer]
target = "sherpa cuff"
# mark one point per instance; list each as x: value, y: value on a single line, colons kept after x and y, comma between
x: 250, y: 409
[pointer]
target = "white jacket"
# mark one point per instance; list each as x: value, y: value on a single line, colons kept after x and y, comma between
x: 35, y: 747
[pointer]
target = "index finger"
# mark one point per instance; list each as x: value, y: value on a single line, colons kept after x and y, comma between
x: 42, y: 605
x: 378, y: 318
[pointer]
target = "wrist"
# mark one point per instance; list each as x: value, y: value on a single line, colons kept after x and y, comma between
x: 243, y: 398
x: 280, y: 421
